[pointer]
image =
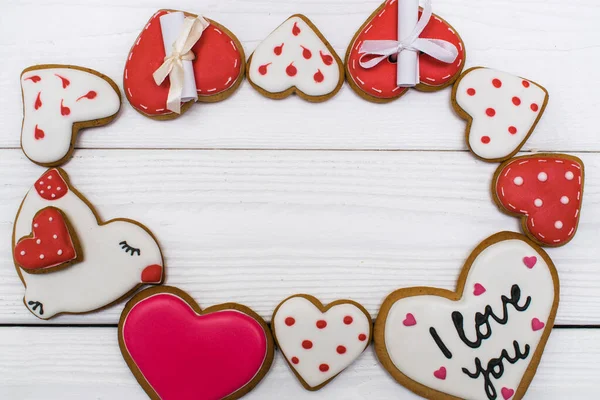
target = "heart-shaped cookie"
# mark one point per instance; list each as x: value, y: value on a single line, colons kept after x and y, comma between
x: 218, y: 67
x: 178, y: 351
x: 502, y: 111
x: 545, y: 191
x: 379, y: 84
x: 296, y: 58
x: 474, y: 346
x: 317, y: 341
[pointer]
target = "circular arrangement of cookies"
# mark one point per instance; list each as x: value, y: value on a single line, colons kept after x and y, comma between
x: 484, y: 340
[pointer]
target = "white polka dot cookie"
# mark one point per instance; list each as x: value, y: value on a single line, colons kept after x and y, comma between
x: 502, y: 111
x: 317, y: 341
x: 545, y: 191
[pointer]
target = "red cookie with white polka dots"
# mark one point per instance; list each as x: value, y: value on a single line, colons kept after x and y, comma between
x: 317, y: 341
x: 501, y: 110
x: 546, y: 191
x: 51, y: 186
x: 52, y: 245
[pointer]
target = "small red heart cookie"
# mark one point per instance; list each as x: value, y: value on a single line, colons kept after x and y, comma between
x: 178, y: 351
x: 53, y: 244
x: 546, y: 191
x: 379, y: 84
x: 319, y: 341
x: 218, y: 68
x: 51, y: 186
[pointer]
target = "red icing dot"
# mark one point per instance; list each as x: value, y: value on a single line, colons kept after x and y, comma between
x: 89, y: 95
x: 485, y: 139
x: 534, y: 107
x: 490, y: 112
x: 295, y: 360
x: 348, y: 320
x: 516, y: 101
x: 512, y: 130
x: 327, y: 59
x: 362, y: 337
x: 65, y: 81
x: 295, y: 30
x: 64, y: 110
x: 263, y: 69
x: 497, y: 83
x: 291, y: 70
x: 289, y: 321
x: 341, y: 349
x: 319, y: 76
x: 278, y: 49
x: 38, y: 133
x: 307, y: 344
x: 525, y: 84
x: 38, y: 101
x: 306, y: 53
x: 471, y: 92
x: 321, y: 324
x: 323, y: 367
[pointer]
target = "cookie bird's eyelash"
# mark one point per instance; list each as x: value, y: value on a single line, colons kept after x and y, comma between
x: 129, y: 249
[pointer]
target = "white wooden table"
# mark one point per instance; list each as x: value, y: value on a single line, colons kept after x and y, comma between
x: 253, y: 200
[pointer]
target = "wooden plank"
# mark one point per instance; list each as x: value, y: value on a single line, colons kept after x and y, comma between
x: 74, y: 363
x: 522, y: 38
x: 257, y: 226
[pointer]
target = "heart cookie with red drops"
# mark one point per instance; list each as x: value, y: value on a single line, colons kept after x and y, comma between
x: 296, y: 58
x: 501, y: 109
x: 317, y: 341
x: 377, y: 60
x: 545, y: 191
x: 212, y: 64
x: 483, y: 341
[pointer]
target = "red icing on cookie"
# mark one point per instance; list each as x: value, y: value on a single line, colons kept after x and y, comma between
x: 64, y: 110
x: 547, y: 191
x: 51, y: 186
x: 380, y: 81
x: 183, y: 355
x: 34, y: 78
x: 291, y: 70
x: 263, y: 69
x: 38, y: 101
x: 65, y: 82
x: 306, y: 53
x: 278, y: 50
x: 89, y: 95
x: 295, y: 29
x: 319, y: 76
x: 327, y: 59
x: 217, y: 67
x: 38, y: 133
x: 50, y: 244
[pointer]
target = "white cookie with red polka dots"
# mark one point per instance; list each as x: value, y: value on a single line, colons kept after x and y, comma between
x: 502, y: 111
x: 317, y: 341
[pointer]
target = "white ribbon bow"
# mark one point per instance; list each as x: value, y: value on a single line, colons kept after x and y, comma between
x: 173, y: 65
x: 436, y: 48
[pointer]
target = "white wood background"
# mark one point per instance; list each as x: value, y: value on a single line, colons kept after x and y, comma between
x: 254, y: 200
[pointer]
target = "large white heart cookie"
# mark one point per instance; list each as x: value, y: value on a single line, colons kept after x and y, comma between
x: 502, y: 111
x: 296, y: 58
x: 318, y: 341
x: 483, y: 341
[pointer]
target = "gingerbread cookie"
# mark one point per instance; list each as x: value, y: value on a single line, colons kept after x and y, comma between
x: 178, y: 59
x: 176, y: 350
x: 317, y: 341
x: 58, y: 101
x: 501, y: 110
x: 296, y: 58
x: 545, y: 191
x: 401, y: 46
x: 483, y: 341
x: 68, y: 260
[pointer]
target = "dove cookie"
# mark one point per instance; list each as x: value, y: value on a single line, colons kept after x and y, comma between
x: 176, y: 350
x: 58, y: 101
x: 178, y: 59
x: 401, y: 46
x: 501, y: 110
x: 296, y: 58
x: 317, y: 341
x: 545, y: 191
x: 485, y: 340
x: 71, y: 262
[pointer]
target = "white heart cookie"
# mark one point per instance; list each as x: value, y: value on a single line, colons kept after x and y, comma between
x: 483, y: 341
x: 295, y: 58
x: 317, y: 341
x: 502, y: 110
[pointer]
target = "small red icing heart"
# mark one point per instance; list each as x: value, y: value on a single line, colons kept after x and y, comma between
x: 530, y: 261
x: 38, y: 134
x: 51, y: 186
x: 478, y: 289
x: 64, y: 110
x: 507, y: 393
x: 50, y: 244
x: 409, y: 320
x: 536, y: 324
x: 440, y: 373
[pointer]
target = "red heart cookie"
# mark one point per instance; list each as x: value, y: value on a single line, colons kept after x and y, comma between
x: 218, y: 68
x: 546, y: 191
x: 51, y: 246
x: 51, y: 186
x: 378, y: 84
x: 178, y: 351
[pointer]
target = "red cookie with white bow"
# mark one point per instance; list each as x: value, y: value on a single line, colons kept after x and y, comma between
x: 545, y: 191
x: 402, y: 46
x: 318, y: 341
x: 296, y: 58
x: 178, y: 59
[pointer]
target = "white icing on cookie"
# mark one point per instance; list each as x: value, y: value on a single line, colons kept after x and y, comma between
x: 53, y: 100
x: 320, y: 345
x: 294, y: 55
x: 109, y: 269
x: 503, y: 108
x: 510, y: 268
